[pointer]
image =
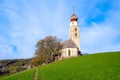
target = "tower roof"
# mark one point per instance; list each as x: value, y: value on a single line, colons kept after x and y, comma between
x: 73, y: 17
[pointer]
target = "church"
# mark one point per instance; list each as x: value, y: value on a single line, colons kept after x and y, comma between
x: 71, y: 47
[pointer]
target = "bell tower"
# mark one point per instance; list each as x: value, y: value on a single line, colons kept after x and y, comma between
x: 74, y: 31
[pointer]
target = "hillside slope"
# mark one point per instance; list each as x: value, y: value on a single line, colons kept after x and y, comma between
x: 24, y: 75
x: 105, y: 66
x: 92, y: 67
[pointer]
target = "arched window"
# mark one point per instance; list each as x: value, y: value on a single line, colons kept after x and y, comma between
x: 75, y: 34
x: 69, y: 53
x: 75, y: 29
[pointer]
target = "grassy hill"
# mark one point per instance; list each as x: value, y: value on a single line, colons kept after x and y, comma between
x: 105, y: 66
x: 24, y: 75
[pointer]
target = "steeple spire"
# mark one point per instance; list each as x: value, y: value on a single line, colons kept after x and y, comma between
x: 73, y: 17
x: 73, y: 9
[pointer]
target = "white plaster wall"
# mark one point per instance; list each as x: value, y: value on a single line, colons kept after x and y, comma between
x: 72, y: 31
x: 75, y: 23
x: 73, y: 52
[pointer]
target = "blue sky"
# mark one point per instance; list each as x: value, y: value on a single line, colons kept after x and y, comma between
x: 24, y: 22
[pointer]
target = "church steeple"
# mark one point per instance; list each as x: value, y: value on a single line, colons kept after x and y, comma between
x: 74, y: 16
x: 74, y: 32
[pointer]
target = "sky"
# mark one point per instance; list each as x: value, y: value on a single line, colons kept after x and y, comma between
x: 24, y: 22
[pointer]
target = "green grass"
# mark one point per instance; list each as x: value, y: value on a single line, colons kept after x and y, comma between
x: 24, y: 75
x: 104, y: 66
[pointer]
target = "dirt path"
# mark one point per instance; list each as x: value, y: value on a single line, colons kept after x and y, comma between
x: 36, y: 73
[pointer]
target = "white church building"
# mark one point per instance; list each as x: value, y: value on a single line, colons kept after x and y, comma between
x: 71, y: 47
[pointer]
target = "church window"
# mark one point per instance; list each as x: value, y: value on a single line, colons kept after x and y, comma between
x: 69, y: 53
x: 75, y: 29
x: 75, y: 34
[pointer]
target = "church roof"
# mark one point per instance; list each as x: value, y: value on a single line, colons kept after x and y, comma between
x: 69, y: 44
